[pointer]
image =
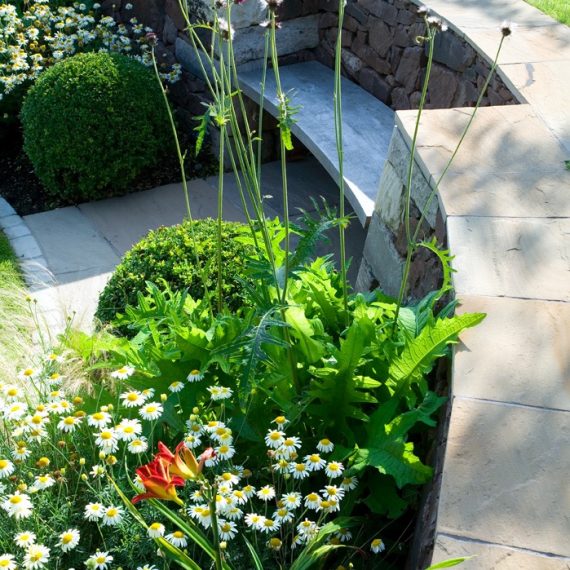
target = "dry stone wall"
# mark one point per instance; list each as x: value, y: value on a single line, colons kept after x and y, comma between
x: 380, y: 53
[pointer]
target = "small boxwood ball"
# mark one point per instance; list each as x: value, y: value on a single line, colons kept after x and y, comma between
x: 168, y: 254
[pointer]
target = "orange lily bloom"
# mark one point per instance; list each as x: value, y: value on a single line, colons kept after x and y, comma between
x: 158, y: 482
x: 182, y: 462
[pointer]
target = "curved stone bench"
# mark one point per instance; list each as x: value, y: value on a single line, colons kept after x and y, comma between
x: 367, y: 126
x: 504, y: 493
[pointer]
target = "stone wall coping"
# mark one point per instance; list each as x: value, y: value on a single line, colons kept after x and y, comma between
x: 506, y: 202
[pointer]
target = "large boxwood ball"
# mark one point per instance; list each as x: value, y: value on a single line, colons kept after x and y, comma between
x: 92, y: 123
x: 168, y: 254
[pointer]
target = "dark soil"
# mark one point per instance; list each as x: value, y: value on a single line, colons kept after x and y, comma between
x: 25, y: 193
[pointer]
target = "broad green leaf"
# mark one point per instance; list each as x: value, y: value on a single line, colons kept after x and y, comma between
x: 302, y: 330
x: 419, y: 355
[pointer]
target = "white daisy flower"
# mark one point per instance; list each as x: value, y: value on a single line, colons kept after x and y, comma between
x: 12, y: 392
x: 225, y: 451
x: 299, y: 470
x: 334, y: 469
x: 219, y: 392
x: 69, y: 539
x: 252, y: 520
x: 123, y: 373
x: 156, y: 530
x: 54, y: 357
x: 43, y: 482
x: 18, y: 505
x: 307, y: 528
x: 21, y: 452
x: 6, y: 468
x: 288, y: 448
x: 151, y: 411
x: 194, y: 376
x: 283, y: 515
x: 333, y: 492
x: 377, y: 546
x: 128, y: 430
x: 132, y: 399
x: 28, y: 373
x: 147, y: 567
x: 177, y: 538
x: 325, y: 445
x: 291, y: 500
x: 313, y: 501
x: 99, y: 419
x: 94, y: 511
x: 99, y: 560
x: 97, y: 471
x: 139, y: 445
x: 148, y: 393
x: 107, y: 440
x: 266, y: 493
x: 349, y: 483
x: 280, y: 421
x: 248, y: 491
x: 68, y: 424
x: 269, y: 525
x: 314, y: 462
x: 112, y: 516
x: 176, y: 386
x: 227, y: 529
x: 24, y: 539
x: 36, y: 557
x: 192, y: 441
x: 7, y: 562
x: 274, y: 438
x: 15, y: 411
x: 344, y: 535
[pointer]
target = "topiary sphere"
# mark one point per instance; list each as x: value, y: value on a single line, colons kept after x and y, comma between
x: 92, y: 123
x: 168, y: 253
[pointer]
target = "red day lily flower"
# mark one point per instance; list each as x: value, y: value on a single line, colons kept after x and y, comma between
x: 182, y: 462
x: 158, y: 482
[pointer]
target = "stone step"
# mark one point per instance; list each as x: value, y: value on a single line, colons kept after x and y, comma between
x: 367, y: 126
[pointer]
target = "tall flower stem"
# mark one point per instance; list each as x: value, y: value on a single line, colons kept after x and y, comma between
x: 215, y: 530
x: 412, y: 240
x: 410, y: 246
x: 340, y: 152
x: 281, y: 97
x: 180, y: 156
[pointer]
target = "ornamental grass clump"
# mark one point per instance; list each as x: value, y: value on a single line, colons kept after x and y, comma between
x: 92, y: 123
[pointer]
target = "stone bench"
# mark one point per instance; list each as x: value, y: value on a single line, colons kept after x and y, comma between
x: 368, y: 125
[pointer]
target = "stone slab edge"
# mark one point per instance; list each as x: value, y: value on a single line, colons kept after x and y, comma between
x: 30, y: 257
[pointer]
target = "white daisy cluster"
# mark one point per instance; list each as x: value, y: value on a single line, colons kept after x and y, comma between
x: 284, y: 511
x: 43, y: 35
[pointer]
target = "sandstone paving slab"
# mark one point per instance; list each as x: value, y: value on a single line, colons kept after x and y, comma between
x: 76, y: 299
x: 489, y: 556
x: 506, y: 476
x: 488, y: 14
x: 525, y: 45
x: 531, y: 193
x: 70, y: 243
x: 546, y: 86
x: 500, y: 140
x: 525, y: 346
x: 507, y: 257
x: 126, y: 219
x: 367, y: 126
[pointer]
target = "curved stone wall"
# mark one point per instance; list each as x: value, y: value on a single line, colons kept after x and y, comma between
x: 380, y: 53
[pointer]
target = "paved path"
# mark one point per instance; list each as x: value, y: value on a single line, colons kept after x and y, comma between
x: 81, y: 245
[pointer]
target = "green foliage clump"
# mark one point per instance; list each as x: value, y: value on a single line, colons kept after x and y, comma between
x: 92, y: 123
x: 182, y: 257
